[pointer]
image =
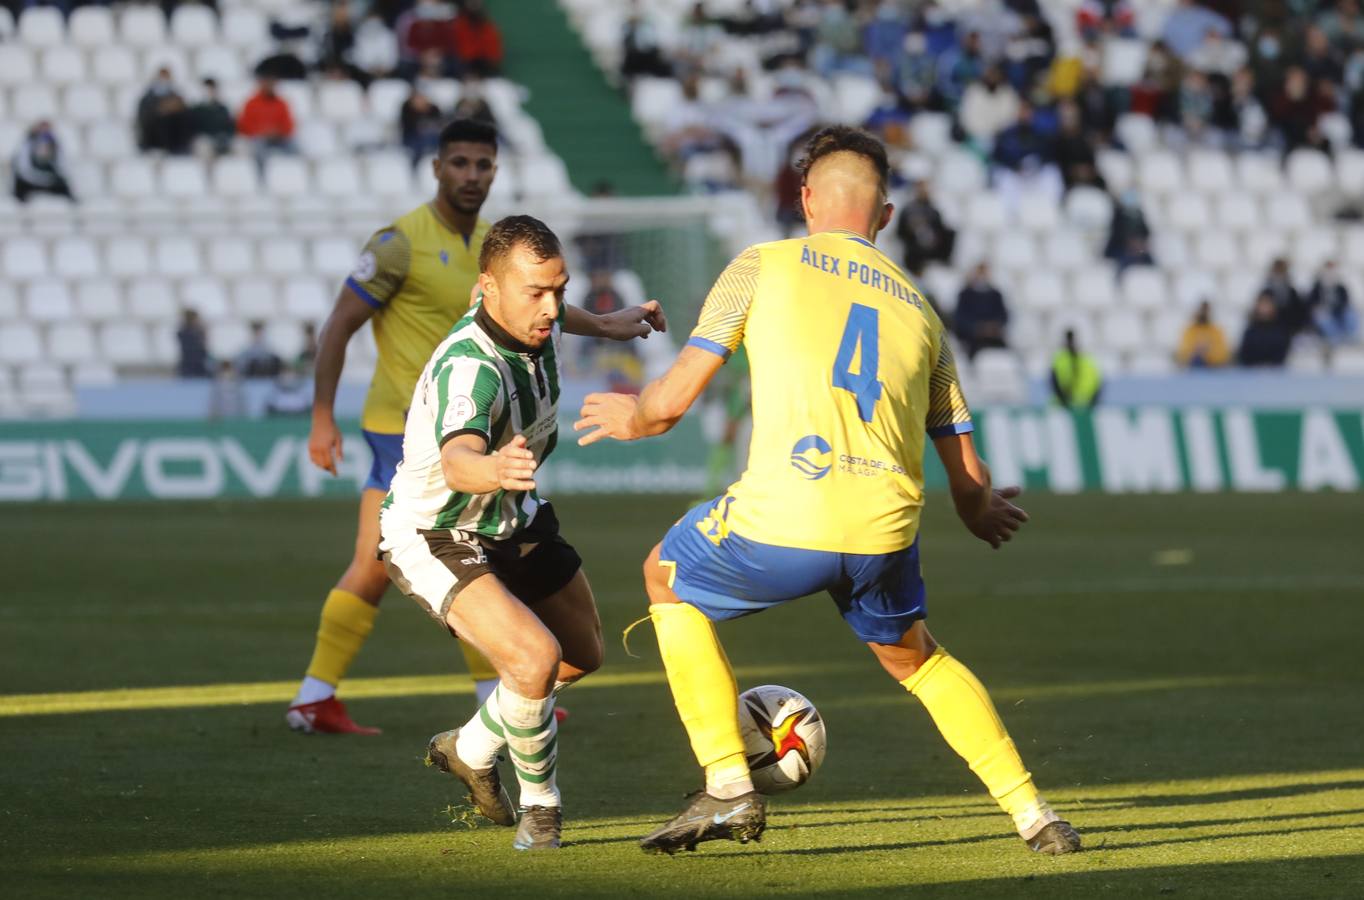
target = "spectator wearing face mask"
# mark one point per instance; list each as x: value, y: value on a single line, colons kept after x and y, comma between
x: 163, y: 120
x: 37, y: 165
x: 1328, y: 303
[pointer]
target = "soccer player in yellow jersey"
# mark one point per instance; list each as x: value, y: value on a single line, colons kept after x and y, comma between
x: 413, y: 279
x: 850, y: 368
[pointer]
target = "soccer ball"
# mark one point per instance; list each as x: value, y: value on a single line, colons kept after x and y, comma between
x: 783, y: 737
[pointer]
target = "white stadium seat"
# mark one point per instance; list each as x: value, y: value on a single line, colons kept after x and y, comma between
x: 255, y: 298
x: 1066, y: 250
x: 390, y: 174
x: 1043, y: 291
x: 49, y: 300
x: 1286, y: 211
x: 1038, y: 212
x: 34, y: 102
x: 125, y: 344
x: 20, y: 343
x: 128, y: 257
x: 855, y: 96
x: 245, y: 28
x: 1237, y: 211
x: 112, y: 65
x: 183, y: 177
x: 1350, y: 171
x: 287, y: 176
x: 960, y: 172
x: 143, y: 26
x: 299, y: 96
x: 133, y: 179
x: 71, y: 343
x: 42, y: 26
x: 1188, y: 212
x: 1193, y: 286
x: 152, y: 300
x: 1089, y: 208
x: 1123, y: 331
x: 1216, y: 250
x: 306, y: 299
x: 1315, y: 246
x: 340, y: 101
x: 1117, y: 169
x: 109, y: 141
x: 1210, y: 172
x: 1095, y: 288
x: 63, y: 65
x: 177, y: 257
x: 1160, y: 172
x: 86, y: 103
x: 88, y: 373
x: 932, y: 132
x: 1352, y: 247
x: 1309, y: 171
x: 338, y: 178
x: 1348, y: 361
x: 1144, y: 287
x: 208, y: 296
x: 16, y: 65
x: 231, y: 256
x: 23, y: 259
x: 317, y: 140
x: 333, y: 257
x: 9, y: 301
x: 99, y: 301
x: 166, y: 57
x: 76, y: 257
x: 91, y: 27
x: 386, y: 98
x: 283, y: 257
x: 444, y: 92
x: 192, y: 25
x: 986, y: 212
x: 999, y: 376
x: 1014, y: 252
x: 219, y: 62
x: 544, y: 176
x: 234, y: 176
x: 227, y: 338
x: 1259, y: 172
x: 1261, y: 247
x: 1137, y: 133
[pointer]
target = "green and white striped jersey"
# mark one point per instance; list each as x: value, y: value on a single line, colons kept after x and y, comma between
x: 478, y: 381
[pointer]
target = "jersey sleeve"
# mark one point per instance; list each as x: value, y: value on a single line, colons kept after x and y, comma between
x: 382, y: 267
x: 468, y: 399
x: 947, y: 410
x: 725, y: 312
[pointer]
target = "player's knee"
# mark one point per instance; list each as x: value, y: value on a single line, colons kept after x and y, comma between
x: 532, y: 668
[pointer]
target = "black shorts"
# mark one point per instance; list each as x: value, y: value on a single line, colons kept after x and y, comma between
x: 439, y: 564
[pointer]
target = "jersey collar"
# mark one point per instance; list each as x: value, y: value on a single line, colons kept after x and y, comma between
x: 501, y: 337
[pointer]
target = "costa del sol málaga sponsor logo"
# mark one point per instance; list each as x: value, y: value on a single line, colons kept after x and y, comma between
x: 810, y: 457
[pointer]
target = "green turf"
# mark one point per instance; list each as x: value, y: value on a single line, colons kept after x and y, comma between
x: 1182, y: 674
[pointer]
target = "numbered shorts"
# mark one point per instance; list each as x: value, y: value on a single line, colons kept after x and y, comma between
x: 432, y: 566
x: 386, y: 451
x: 879, y: 595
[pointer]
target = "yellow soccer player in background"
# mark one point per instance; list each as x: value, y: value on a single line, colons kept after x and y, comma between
x: 414, y: 279
x: 851, y: 368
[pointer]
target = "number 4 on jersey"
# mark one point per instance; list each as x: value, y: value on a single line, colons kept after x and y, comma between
x: 861, y: 331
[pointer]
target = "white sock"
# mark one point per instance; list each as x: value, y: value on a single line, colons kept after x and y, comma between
x: 532, y: 737
x: 312, y: 690
x: 728, y: 790
x: 483, y: 689
x: 482, y: 737
x: 1034, y: 819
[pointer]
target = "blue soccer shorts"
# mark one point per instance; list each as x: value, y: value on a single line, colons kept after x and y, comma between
x: 386, y: 451
x: 879, y: 595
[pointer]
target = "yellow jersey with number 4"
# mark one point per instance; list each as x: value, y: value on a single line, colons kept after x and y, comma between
x: 850, y: 368
x: 417, y: 274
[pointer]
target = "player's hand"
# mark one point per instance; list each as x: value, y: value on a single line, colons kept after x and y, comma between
x: 1000, y: 518
x: 612, y: 415
x: 514, y: 465
x: 324, y: 444
x: 636, y: 322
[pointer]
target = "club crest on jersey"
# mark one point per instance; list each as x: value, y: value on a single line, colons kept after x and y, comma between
x: 366, y: 267
x: 810, y: 457
x: 460, y: 410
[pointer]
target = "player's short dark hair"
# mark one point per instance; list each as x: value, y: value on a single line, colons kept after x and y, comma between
x: 843, y: 138
x: 468, y: 131
x: 518, y: 231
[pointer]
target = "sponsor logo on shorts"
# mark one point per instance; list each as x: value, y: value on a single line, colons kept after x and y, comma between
x: 810, y: 457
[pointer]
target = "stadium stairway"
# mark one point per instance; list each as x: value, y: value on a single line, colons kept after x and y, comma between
x: 586, y: 121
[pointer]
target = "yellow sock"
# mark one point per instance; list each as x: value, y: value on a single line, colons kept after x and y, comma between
x: 347, y: 621
x: 479, y: 667
x: 962, y: 710
x: 704, y: 690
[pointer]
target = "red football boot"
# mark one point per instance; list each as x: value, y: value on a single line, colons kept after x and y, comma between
x: 324, y: 717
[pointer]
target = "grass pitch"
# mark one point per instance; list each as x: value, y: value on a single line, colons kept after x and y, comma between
x: 1182, y: 675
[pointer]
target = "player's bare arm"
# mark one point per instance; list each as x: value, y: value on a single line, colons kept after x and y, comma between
x: 659, y: 407
x: 987, y: 513
x: 470, y: 469
x: 622, y: 325
x: 347, y: 317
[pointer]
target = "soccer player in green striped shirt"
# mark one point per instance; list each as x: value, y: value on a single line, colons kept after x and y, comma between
x: 466, y: 535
